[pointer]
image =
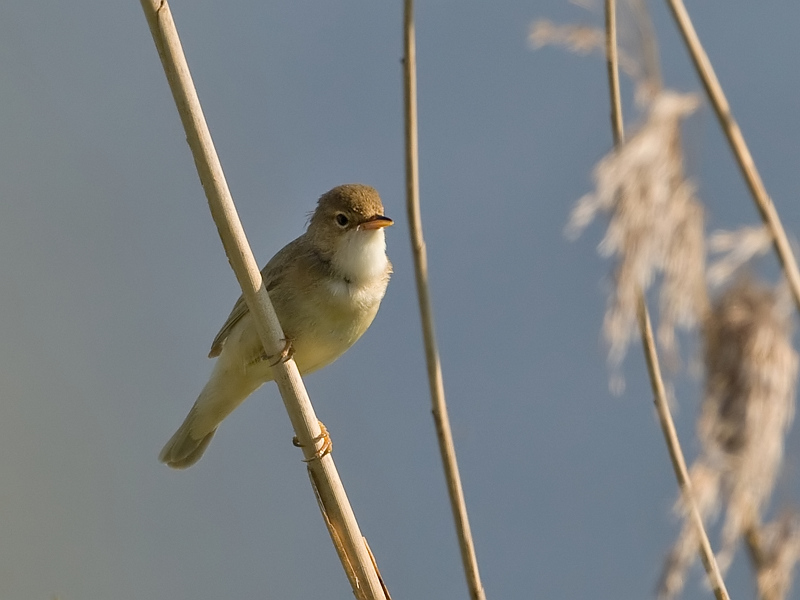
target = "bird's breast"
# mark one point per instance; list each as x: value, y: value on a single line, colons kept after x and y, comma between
x: 352, y: 297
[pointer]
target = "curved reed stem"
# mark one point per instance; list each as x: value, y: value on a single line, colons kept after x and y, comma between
x: 440, y: 417
x: 738, y: 146
x: 336, y: 509
x: 648, y: 342
x: 612, y: 66
x: 676, y: 454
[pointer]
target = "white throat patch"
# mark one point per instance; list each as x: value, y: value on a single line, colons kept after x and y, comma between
x: 361, y: 256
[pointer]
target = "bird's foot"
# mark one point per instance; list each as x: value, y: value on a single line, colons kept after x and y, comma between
x: 323, y: 449
x: 287, y: 353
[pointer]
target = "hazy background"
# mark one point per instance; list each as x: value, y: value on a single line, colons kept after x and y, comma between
x: 113, y: 283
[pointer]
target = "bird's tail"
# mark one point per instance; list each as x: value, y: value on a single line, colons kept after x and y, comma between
x: 221, y: 395
x: 184, y: 449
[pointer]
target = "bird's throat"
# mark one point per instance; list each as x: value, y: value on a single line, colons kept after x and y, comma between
x: 360, y: 257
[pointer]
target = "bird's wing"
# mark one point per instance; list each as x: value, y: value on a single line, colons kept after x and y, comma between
x: 272, y: 274
x: 239, y: 310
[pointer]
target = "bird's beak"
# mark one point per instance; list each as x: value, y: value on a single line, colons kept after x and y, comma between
x: 376, y: 222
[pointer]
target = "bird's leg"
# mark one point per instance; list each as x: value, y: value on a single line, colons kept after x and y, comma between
x: 287, y: 353
x: 324, y: 437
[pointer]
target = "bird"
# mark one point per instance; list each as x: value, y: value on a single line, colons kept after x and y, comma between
x: 326, y: 287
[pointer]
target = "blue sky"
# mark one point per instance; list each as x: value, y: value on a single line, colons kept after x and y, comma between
x: 114, y: 283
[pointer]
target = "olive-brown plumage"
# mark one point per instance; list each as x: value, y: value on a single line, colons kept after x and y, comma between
x: 326, y: 287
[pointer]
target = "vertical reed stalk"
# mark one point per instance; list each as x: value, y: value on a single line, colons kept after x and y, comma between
x: 612, y: 66
x: 442, y: 421
x: 333, y: 500
x: 766, y: 209
x: 738, y: 146
x: 648, y: 342
x: 707, y: 557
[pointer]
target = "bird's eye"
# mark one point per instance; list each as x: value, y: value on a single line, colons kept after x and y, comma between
x: 342, y: 220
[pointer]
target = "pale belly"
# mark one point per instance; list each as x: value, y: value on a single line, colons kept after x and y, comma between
x: 320, y: 336
x: 329, y: 338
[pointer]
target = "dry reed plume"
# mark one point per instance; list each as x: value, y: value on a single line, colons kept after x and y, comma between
x: 580, y: 39
x: 776, y: 549
x: 655, y: 234
x: 655, y: 225
x: 751, y: 374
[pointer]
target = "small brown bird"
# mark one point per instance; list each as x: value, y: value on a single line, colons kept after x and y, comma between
x: 326, y: 287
